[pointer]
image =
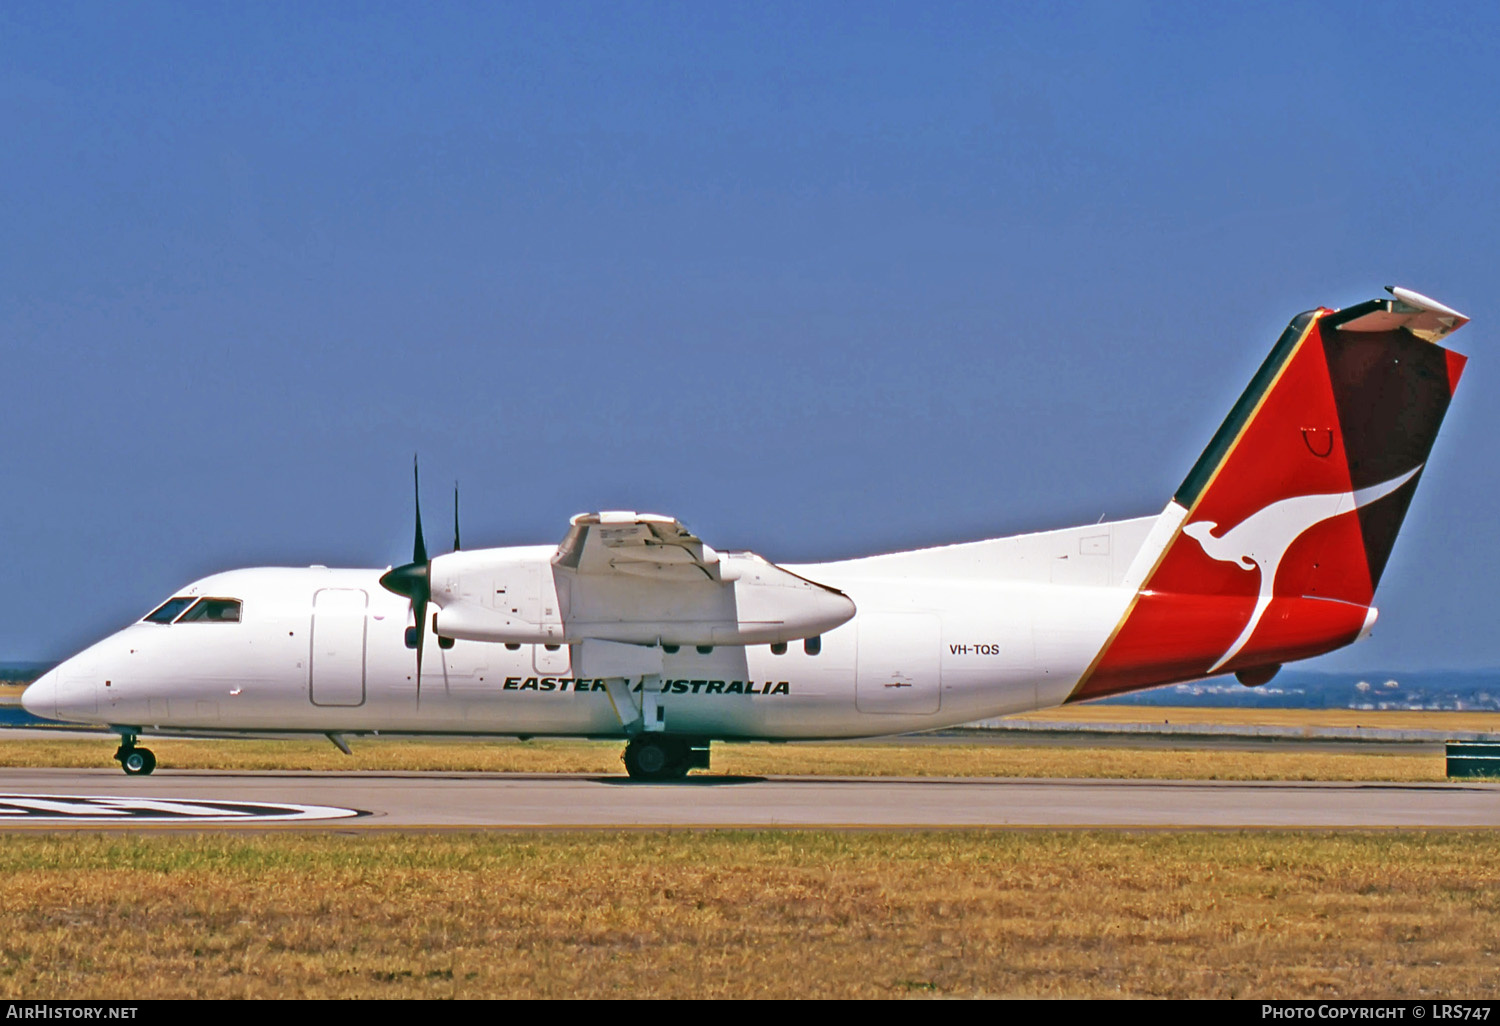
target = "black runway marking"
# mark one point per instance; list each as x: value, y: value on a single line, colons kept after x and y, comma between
x: 111, y: 809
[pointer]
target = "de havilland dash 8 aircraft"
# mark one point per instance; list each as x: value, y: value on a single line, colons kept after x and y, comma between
x: 633, y: 628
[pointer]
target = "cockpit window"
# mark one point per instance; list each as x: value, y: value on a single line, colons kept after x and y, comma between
x: 213, y: 610
x: 168, y: 610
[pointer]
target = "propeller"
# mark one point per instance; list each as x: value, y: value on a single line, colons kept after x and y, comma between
x: 455, y: 516
x: 413, y: 580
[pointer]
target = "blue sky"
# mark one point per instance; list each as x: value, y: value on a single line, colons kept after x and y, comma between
x: 819, y: 279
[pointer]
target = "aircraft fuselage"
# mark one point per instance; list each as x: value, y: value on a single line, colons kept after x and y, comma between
x: 918, y: 655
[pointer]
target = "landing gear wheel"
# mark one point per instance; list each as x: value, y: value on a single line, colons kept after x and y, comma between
x: 137, y: 762
x: 655, y: 759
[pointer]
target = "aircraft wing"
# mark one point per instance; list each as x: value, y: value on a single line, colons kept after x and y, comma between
x: 632, y: 579
x: 638, y: 544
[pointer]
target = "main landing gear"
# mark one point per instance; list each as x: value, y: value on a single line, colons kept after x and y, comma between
x: 655, y: 757
x: 136, y: 762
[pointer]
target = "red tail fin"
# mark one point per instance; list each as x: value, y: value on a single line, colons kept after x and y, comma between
x: 1284, y: 525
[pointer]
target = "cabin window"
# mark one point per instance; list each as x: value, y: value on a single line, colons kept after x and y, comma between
x: 212, y: 610
x: 705, y: 649
x: 778, y: 648
x: 813, y: 645
x: 670, y: 649
x: 168, y: 610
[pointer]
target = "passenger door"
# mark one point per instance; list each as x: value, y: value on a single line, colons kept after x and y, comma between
x: 336, y: 661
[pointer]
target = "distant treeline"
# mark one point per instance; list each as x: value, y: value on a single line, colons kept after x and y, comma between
x: 1468, y: 690
x: 23, y: 672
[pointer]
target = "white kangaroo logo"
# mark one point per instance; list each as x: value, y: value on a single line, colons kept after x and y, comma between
x: 1262, y: 539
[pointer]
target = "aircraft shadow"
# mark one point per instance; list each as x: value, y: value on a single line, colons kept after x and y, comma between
x: 683, y: 782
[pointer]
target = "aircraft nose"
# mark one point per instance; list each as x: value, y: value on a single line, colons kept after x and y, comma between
x: 65, y: 693
x: 40, y: 696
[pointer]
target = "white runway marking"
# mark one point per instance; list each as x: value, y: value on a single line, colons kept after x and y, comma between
x: 101, y: 808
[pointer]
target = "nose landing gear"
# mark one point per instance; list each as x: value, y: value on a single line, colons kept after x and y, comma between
x: 136, y: 762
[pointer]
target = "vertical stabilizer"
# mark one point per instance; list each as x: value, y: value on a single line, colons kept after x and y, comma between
x: 1273, y: 546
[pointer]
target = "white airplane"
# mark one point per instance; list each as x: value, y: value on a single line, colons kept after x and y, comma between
x: 632, y: 628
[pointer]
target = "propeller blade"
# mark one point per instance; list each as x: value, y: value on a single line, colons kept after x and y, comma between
x: 455, y: 516
x: 413, y: 580
x: 419, y: 608
x: 419, y: 544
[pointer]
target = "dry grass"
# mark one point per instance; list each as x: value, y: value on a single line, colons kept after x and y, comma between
x: 1387, y: 719
x: 371, y: 754
x: 979, y: 760
x: 773, y: 914
x: 892, y: 759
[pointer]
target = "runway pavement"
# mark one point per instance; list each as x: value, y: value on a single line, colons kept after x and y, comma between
x: 53, y: 798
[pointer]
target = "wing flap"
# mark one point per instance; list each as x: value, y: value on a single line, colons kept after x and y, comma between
x: 638, y: 544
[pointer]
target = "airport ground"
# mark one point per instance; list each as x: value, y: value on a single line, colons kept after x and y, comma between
x: 810, y: 913
x: 342, y: 911
x: 960, y: 757
x: 1137, y: 754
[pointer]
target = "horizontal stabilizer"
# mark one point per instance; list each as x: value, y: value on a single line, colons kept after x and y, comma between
x: 1425, y: 318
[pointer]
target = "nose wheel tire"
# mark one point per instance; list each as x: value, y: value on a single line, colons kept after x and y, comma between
x: 137, y: 762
